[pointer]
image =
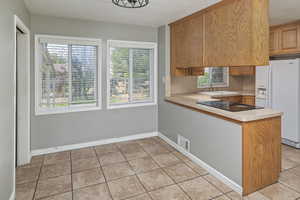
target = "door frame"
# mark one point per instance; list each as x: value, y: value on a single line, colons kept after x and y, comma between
x: 23, y: 144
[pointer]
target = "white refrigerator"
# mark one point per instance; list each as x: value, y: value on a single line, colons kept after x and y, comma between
x: 278, y: 87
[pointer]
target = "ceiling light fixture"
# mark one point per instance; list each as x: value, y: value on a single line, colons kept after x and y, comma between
x: 131, y: 3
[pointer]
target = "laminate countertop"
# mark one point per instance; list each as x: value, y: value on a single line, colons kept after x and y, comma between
x: 190, y: 101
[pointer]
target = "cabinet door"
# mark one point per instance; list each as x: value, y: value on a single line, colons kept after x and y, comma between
x: 289, y: 38
x: 237, y: 34
x: 242, y: 71
x: 228, y: 40
x: 178, y: 49
x: 274, y: 41
x: 194, y: 33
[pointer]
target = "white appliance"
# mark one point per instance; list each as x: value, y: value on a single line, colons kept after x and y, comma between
x: 278, y: 87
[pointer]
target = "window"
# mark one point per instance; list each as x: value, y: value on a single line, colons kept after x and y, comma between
x: 214, y: 77
x: 131, y: 74
x: 67, y: 74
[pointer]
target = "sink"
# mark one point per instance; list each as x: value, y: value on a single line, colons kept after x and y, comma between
x: 220, y: 93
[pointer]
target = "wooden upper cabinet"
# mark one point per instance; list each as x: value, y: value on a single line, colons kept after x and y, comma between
x: 285, y: 39
x: 229, y: 33
x: 178, y: 44
x: 274, y: 42
x: 289, y: 38
x: 195, y: 41
x: 187, y: 46
x: 237, y: 34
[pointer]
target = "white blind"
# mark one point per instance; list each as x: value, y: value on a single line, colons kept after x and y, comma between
x: 68, y: 75
x: 69, y: 41
x: 131, y: 75
x: 214, y: 77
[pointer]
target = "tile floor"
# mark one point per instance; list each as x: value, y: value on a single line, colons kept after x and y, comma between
x: 146, y: 169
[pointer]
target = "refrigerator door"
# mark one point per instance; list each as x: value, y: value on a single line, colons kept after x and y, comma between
x: 262, y: 86
x: 285, y: 96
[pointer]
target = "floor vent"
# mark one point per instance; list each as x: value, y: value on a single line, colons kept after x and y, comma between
x: 184, y: 143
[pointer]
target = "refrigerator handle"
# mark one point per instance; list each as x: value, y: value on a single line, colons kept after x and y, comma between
x: 270, y: 88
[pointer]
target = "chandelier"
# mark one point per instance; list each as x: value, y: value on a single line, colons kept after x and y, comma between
x: 131, y: 3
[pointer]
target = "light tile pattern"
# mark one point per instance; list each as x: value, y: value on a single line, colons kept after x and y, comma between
x: 146, y: 169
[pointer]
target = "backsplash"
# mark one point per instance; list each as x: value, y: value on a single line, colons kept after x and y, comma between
x: 188, y: 84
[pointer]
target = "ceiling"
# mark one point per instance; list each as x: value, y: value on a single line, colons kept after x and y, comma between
x: 157, y: 13
x: 283, y: 11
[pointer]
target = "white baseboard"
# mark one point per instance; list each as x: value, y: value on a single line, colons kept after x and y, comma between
x: 233, y: 185
x: 13, y: 195
x: 291, y: 143
x: 91, y: 144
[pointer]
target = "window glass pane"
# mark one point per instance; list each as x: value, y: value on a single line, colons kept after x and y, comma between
x: 67, y: 75
x: 119, y: 75
x: 217, y: 75
x: 214, y: 77
x: 84, y: 74
x: 54, y: 76
x: 141, y: 74
x: 204, y: 80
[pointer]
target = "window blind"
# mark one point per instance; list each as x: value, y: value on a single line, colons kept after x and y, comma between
x: 214, y: 77
x: 131, y: 73
x: 67, y: 75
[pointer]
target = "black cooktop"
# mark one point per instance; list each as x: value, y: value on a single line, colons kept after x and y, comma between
x: 229, y: 106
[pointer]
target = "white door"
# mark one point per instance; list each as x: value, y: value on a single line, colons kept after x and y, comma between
x: 22, y: 99
x: 285, y: 95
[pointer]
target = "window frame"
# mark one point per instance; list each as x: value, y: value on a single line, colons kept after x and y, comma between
x: 154, y: 85
x: 75, y: 108
x: 210, y: 85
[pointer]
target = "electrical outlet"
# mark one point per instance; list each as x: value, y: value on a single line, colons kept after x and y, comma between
x: 184, y: 142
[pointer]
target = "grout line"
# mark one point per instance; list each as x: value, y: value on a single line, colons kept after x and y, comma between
x: 135, y: 174
x: 216, y: 185
x: 159, y: 167
x: 105, y: 179
x: 177, y: 184
x: 128, y: 198
x: 288, y: 186
x: 71, y: 163
x: 38, y: 179
x: 53, y: 195
x: 290, y: 168
x: 218, y: 196
x: 201, y: 175
x: 184, y: 192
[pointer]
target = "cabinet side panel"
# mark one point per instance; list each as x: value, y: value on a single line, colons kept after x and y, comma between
x: 261, y: 32
x: 261, y: 154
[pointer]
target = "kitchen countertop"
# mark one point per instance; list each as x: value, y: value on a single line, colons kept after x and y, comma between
x: 190, y: 101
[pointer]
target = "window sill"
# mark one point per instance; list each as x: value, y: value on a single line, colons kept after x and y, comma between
x: 130, y: 105
x: 53, y: 112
